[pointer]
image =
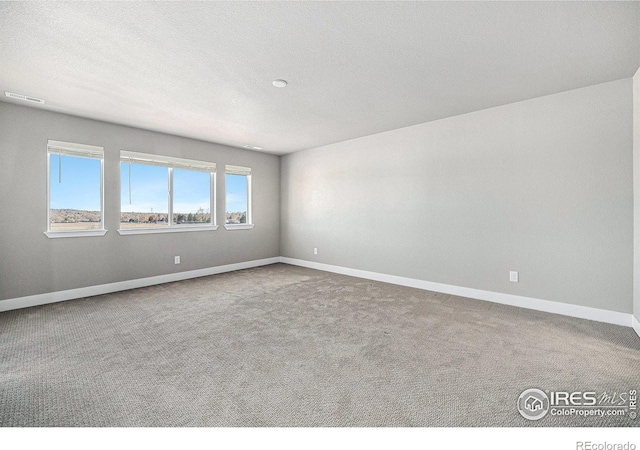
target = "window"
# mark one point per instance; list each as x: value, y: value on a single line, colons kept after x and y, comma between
x: 238, y: 198
x: 162, y: 193
x: 144, y: 196
x: 75, y: 190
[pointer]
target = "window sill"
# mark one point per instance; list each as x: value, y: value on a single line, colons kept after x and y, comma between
x: 73, y: 234
x: 126, y: 231
x: 239, y: 226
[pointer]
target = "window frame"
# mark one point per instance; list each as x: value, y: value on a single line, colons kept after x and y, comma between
x: 170, y: 163
x: 246, y: 171
x: 75, y: 150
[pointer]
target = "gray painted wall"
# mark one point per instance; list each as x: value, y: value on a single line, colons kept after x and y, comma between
x: 30, y: 263
x: 543, y: 187
x: 636, y: 196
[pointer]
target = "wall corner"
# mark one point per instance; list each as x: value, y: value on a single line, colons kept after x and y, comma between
x: 636, y: 200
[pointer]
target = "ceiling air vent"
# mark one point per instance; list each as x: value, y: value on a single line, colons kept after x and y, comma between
x: 23, y: 97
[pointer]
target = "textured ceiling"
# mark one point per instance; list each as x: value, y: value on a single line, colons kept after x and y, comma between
x: 204, y: 70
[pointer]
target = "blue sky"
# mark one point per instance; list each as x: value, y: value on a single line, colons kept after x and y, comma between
x: 149, y: 188
x: 191, y: 191
x: 80, y: 188
x: 236, y: 197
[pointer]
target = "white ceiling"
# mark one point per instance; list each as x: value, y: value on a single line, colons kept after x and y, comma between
x: 204, y: 70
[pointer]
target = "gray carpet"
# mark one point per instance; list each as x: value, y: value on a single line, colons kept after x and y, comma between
x: 287, y: 346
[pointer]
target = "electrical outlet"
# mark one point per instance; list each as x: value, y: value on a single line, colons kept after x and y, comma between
x: 513, y: 276
x: 176, y: 260
x: 315, y: 250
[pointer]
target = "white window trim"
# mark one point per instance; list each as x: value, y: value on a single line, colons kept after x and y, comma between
x: 171, y: 163
x: 72, y: 149
x: 73, y: 234
x: 239, y: 170
x: 239, y: 226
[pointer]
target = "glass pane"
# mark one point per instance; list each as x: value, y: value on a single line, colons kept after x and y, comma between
x: 236, y: 202
x: 146, y: 205
x: 74, y: 193
x: 191, y: 197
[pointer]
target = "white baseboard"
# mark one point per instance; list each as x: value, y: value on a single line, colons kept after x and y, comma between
x: 636, y: 325
x: 565, y: 309
x: 60, y: 296
x: 582, y: 312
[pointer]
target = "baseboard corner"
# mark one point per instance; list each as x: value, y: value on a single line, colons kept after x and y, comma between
x: 635, y: 324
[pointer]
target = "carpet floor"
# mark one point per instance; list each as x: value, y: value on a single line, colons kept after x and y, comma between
x: 288, y: 346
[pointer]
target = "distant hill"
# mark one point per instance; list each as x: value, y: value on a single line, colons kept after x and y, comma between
x: 73, y: 216
x: 80, y: 216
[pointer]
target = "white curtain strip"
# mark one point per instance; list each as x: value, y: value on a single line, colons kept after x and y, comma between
x: 166, y: 161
